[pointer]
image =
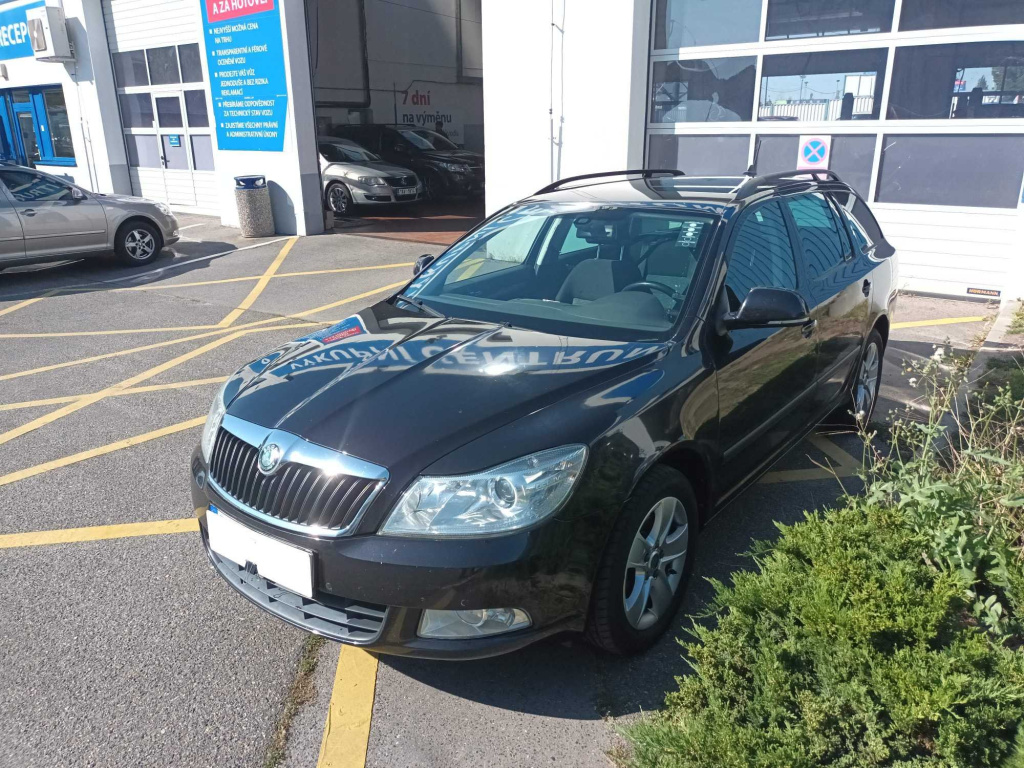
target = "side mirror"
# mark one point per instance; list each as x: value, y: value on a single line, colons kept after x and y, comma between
x: 77, y: 194
x: 422, y: 263
x: 769, y: 308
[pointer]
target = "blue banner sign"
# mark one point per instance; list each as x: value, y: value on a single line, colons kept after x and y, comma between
x: 14, y: 39
x: 247, y: 78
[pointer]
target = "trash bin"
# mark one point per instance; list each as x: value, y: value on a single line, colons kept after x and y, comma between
x: 255, y: 215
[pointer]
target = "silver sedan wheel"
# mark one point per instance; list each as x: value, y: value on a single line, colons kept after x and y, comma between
x: 338, y: 199
x: 654, y: 568
x: 140, y: 244
x: 866, y: 388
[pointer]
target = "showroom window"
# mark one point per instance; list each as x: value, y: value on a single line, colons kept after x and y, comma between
x: 976, y: 171
x: 940, y: 14
x: 701, y: 155
x: 789, y: 19
x: 36, y: 127
x: 970, y: 81
x: 688, y: 23
x: 703, y: 90
x: 158, y: 66
x: 816, y: 87
x: 851, y: 157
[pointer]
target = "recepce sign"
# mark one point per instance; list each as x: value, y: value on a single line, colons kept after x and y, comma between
x: 245, y: 53
x: 14, y: 39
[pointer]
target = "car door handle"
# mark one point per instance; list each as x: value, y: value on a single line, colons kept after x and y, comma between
x: 807, y: 329
x: 866, y: 287
x: 29, y: 212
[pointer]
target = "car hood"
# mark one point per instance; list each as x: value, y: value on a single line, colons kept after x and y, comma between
x: 401, y: 389
x: 375, y: 168
x: 453, y: 156
x: 124, y: 200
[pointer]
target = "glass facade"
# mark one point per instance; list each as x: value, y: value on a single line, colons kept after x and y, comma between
x: 913, y: 119
x: 792, y: 19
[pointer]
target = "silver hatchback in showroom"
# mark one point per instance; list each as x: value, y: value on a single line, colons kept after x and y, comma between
x: 353, y: 175
x: 46, y: 218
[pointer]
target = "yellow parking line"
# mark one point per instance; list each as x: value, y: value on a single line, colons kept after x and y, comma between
x: 278, y: 276
x: 103, y: 450
x: 805, y: 475
x: 350, y: 299
x: 98, y: 533
x: 262, y: 283
x: 939, y: 321
x: 130, y: 391
x: 157, y: 345
x: 830, y: 448
x: 347, y: 731
x: 27, y: 302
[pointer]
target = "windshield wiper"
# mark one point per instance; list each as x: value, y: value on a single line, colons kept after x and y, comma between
x: 421, y: 306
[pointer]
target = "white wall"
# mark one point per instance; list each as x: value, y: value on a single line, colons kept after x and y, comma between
x: 566, y: 99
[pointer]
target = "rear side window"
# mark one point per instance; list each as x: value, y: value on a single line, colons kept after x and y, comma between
x: 862, y: 221
x: 762, y: 255
x: 820, y: 240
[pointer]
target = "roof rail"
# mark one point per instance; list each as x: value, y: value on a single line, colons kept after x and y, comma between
x: 645, y: 173
x: 750, y: 186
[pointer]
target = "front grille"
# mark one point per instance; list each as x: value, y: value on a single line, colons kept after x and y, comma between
x: 295, y: 493
x: 353, y: 623
x: 400, y: 181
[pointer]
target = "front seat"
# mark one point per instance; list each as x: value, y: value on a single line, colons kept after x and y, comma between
x: 594, y: 278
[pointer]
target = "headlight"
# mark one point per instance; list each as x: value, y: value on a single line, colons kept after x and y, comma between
x: 164, y: 209
x: 455, y: 167
x: 509, y: 497
x: 217, y: 411
x: 370, y: 181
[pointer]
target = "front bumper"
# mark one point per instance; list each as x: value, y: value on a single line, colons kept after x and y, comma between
x: 371, y: 590
x: 384, y: 195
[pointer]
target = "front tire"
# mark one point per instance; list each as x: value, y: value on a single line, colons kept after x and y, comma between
x: 339, y: 200
x: 137, y: 243
x: 643, y: 575
x: 433, y: 188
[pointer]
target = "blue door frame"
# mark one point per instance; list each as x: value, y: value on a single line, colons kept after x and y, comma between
x: 12, y: 145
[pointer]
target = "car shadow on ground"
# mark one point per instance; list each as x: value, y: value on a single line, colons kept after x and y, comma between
x: 102, y: 273
x: 565, y: 677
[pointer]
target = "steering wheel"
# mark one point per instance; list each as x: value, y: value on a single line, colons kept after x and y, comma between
x: 650, y: 285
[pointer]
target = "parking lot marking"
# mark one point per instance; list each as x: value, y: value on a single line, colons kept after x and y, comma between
x: 939, y: 321
x: 98, y: 533
x: 130, y: 391
x: 830, y: 448
x: 349, y: 300
x: 26, y: 303
x: 261, y: 284
x: 347, y: 731
x: 279, y: 275
x: 159, y: 344
x: 807, y: 475
x: 103, y: 450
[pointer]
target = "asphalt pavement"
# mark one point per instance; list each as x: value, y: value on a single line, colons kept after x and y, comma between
x: 120, y: 647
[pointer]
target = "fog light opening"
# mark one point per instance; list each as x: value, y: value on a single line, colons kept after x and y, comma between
x: 455, y: 625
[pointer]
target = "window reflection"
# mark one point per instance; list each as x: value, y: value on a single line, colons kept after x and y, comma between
x: 840, y: 85
x: 686, y: 23
x: 937, y: 14
x: 820, y: 18
x: 967, y: 81
x: 703, y: 90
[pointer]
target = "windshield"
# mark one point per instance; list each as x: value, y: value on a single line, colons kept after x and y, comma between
x: 346, y: 153
x: 609, y: 272
x: 424, y: 139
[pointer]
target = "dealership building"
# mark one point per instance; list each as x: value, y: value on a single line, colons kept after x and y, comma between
x: 919, y: 104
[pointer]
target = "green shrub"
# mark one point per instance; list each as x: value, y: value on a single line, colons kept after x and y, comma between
x: 845, y: 649
x: 885, y: 633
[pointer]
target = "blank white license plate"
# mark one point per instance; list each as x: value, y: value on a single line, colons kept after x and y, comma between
x: 283, y: 564
x: 405, y: 192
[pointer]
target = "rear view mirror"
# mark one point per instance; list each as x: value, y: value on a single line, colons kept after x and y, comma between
x: 769, y: 308
x: 422, y: 263
x: 77, y: 194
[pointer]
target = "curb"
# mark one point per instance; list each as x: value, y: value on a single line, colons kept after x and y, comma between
x: 996, y: 343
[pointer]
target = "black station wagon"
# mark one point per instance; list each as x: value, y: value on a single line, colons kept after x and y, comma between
x: 528, y: 437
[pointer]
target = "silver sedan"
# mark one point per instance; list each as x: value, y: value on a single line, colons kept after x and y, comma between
x: 46, y: 218
x: 355, y: 176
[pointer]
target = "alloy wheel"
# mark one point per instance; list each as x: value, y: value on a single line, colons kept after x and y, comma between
x: 338, y: 200
x: 654, y: 568
x: 867, y: 382
x: 140, y: 244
